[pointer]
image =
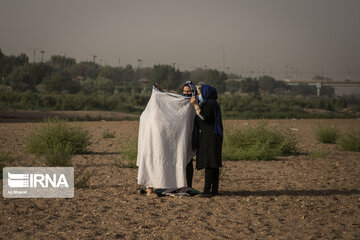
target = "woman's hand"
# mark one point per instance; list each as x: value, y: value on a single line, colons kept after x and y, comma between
x: 194, y: 101
x: 158, y: 87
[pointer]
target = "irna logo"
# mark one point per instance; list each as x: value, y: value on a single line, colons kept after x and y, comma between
x: 36, y: 180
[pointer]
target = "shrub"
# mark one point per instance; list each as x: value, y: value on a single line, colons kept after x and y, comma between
x: 258, y: 143
x: 350, y: 141
x: 108, y: 134
x: 5, y: 159
x: 58, y: 155
x: 55, y: 135
x: 327, y: 134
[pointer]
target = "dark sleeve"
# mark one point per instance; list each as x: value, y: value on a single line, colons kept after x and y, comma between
x: 207, y: 112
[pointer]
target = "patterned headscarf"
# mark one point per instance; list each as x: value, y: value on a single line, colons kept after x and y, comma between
x: 192, y: 87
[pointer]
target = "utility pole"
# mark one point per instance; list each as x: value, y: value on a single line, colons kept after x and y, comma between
x: 34, y: 55
x: 223, y: 56
x: 139, y: 63
x: 94, y: 58
x: 42, y: 55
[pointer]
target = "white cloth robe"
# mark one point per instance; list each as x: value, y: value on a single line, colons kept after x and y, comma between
x: 164, y: 142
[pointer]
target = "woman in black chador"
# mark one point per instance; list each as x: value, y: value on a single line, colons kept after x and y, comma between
x: 209, y: 137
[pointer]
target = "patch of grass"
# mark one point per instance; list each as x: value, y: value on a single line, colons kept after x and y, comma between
x: 258, y: 143
x: 108, y: 134
x: 57, y: 141
x: 129, y: 156
x: 327, y: 134
x: 350, y: 141
x: 55, y: 131
x: 83, y: 179
x: 317, y: 154
x: 58, y: 155
x: 5, y: 159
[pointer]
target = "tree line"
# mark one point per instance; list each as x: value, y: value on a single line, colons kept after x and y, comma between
x: 63, y: 74
x: 61, y: 83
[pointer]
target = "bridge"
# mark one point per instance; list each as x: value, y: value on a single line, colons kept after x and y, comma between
x: 319, y: 83
x: 322, y: 82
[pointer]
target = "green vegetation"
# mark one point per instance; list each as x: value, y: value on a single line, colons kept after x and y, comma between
x: 258, y: 143
x: 58, y: 155
x: 5, y: 160
x: 56, y: 101
x: 129, y: 155
x: 232, y: 106
x: 327, y: 134
x: 277, y: 107
x: 108, y: 134
x: 350, y: 141
x: 57, y: 140
x: 63, y: 84
x: 317, y: 154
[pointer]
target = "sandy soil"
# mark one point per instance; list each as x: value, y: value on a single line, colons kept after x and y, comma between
x: 296, y: 197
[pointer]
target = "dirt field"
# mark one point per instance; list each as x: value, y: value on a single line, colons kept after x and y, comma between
x: 295, y: 197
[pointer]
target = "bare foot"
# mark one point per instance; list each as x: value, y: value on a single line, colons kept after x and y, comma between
x: 150, y: 192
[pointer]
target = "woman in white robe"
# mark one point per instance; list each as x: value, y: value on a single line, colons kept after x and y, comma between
x: 164, y: 143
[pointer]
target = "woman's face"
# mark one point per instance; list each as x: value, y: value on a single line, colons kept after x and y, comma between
x: 199, y: 90
x: 186, y: 90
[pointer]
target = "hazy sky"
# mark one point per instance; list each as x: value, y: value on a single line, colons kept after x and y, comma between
x: 310, y: 36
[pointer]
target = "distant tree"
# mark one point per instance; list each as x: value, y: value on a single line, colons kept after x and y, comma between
x: 211, y: 77
x: 61, y: 62
x: 281, y: 84
x: 61, y: 81
x: 8, y: 63
x: 84, y: 69
x: 128, y: 74
x: 328, y: 91
x: 249, y: 85
x: 103, y: 85
x: 167, y: 76
x: 39, y: 71
x: 28, y: 76
x: 233, y: 86
x: 233, y: 76
x: 20, y: 79
x: 146, y: 72
x: 112, y: 73
x: 217, y: 80
x: 303, y: 89
x: 267, y: 84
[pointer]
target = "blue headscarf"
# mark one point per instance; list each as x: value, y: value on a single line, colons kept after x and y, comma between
x: 210, y: 96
